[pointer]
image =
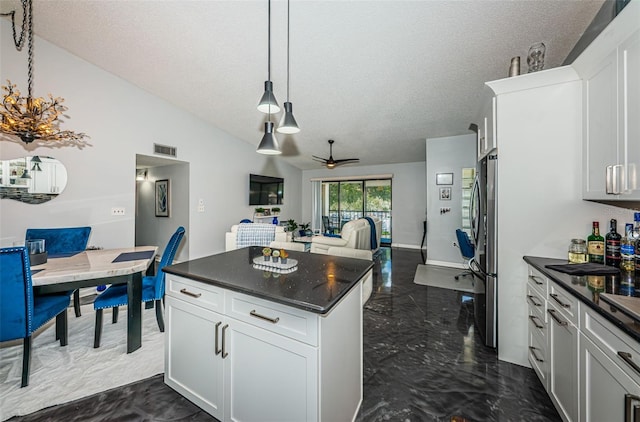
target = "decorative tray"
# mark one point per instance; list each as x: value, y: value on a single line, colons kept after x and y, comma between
x: 278, y: 267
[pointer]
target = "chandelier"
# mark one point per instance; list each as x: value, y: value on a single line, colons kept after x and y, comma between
x: 32, y: 119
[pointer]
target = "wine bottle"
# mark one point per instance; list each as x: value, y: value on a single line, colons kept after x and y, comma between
x: 627, y: 250
x: 595, y: 245
x: 612, y: 245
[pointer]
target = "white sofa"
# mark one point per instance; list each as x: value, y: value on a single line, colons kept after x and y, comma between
x: 230, y: 239
x: 355, y: 234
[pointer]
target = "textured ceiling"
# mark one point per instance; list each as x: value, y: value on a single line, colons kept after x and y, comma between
x: 377, y: 76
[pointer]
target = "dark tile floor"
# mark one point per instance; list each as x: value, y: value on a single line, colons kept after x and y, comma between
x: 422, y: 359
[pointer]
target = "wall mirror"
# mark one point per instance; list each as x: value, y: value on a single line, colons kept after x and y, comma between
x: 32, y: 180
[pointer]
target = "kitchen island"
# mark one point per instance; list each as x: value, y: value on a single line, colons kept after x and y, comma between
x: 244, y: 343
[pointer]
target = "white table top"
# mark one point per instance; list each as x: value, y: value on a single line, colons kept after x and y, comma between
x: 90, y: 265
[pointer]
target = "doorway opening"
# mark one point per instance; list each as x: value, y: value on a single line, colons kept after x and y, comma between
x: 347, y: 200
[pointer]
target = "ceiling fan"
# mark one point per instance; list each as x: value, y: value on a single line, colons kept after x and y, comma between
x: 330, y: 162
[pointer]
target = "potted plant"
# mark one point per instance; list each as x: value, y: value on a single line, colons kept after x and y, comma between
x: 275, y: 255
x: 291, y: 225
x: 266, y: 252
x: 283, y: 256
x: 259, y: 211
x: 304, y: 228
x: 275, y: 210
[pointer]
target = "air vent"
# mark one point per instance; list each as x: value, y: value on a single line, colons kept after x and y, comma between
x: 165, y: 150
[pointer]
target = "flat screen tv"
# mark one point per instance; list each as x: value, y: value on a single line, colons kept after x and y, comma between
x: 265, y: 190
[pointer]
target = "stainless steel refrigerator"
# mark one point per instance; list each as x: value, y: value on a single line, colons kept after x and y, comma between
x: 484, y: 233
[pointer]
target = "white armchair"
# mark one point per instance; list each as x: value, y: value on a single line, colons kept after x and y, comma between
x: 230, y: 239
x: 354, y: 234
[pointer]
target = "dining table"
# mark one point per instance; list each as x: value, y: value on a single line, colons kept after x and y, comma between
x: 101, y: 267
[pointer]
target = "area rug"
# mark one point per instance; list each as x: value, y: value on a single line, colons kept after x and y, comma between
x: 61, y: 374
x: 443, y: 277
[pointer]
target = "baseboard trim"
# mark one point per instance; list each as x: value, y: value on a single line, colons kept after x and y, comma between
x: 404, y: 246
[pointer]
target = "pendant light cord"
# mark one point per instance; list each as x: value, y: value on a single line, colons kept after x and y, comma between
x: 269, y: 41
x: 287, y: 50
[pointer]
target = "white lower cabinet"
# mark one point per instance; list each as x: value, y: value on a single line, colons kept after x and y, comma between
x: 610, y: 377
x: 256, y: 360
x: 563, y: 359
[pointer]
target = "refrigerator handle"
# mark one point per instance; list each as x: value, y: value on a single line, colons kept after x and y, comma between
x: 475, y: 209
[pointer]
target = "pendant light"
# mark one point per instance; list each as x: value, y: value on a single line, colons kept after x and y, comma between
x: 288, y: 123
x: 269, y: 144
x: 268, y: 103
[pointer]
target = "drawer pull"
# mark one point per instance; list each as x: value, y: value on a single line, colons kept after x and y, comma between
x: 631, y: 415
x: 554, y: 296
x: 534, y: 353
x: 188, y: 293
x: 217, y: 350
x: 629, y: 360
x: 533, y: 319
x: 533, y: 302
x: 224, y: 329
x: 535, y: 280
x: 554, y: 315
x: 253, y: 313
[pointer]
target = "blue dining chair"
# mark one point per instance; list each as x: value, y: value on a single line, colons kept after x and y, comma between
x: 61, y: 242
x: 467, y: 250
x: 21, y: 312
x: 152, y: 290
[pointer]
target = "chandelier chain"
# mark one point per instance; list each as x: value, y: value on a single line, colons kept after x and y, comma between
x: 30, y: 51
x: 19, y: 43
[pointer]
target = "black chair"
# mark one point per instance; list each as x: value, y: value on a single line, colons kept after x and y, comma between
x: 328, y: 228
x: 61, y: 242
x: 467, y: 250
x: 22, y: 313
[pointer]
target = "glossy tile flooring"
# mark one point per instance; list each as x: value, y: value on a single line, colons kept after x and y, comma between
x: 423, y: 362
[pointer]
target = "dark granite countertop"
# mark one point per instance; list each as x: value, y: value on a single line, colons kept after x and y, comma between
x: 587, y: 288
x: 317, y: 285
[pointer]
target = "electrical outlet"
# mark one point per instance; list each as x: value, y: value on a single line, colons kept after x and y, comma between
x: 201, y: 205
x: 117, y: 211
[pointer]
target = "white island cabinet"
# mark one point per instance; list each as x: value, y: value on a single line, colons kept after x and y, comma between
x: 244, y: 358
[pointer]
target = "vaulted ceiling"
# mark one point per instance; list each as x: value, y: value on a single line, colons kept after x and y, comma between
x: 379, y: 77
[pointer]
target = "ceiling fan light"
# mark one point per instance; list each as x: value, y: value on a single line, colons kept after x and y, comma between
x: 268, y: 103
x: 331, y: 165
x: 288, y: 123
x: 269, y: 143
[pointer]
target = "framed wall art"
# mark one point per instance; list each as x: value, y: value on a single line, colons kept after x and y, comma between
x: 162, y: 198
x: 444, y: 178
x: 445, y: 194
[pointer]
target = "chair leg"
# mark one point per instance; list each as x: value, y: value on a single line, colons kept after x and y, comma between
x: 159, y: 317
x: 114, y: 316
x: 61, y: 328
x: 26, y: 361
x: 148, y: 305
x: 98, y: 329
x: 76, y: 303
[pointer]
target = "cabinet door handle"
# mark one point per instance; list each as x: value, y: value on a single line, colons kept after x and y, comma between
x: 533, y: 302
x: 555, y: 297
x: 188, y: 293
x: 608, y: 180
x: 533, y: 319
x: 534, y: 353
x: 535, y: 280
x: 618, y: 173
x: 628, y: 358
x: 224, y: 329
x: 554, y: 315
x: 253, y: 313
x: 629, y: 415
x: 217, y: 350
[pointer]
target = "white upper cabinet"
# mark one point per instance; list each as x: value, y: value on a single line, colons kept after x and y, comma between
x: 610, y: 69
x: 487, y: 124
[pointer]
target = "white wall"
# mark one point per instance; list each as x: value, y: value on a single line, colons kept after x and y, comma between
x: 407, y: 197
x: 123, y: 121
x: 152, y: 230
x: 446, y: 155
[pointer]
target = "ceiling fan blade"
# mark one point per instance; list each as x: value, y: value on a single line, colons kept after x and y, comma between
x: 323, y: 160
x: 347, y: 160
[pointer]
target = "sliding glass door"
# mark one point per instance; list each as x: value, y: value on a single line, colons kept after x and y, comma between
x: 347, y: 200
